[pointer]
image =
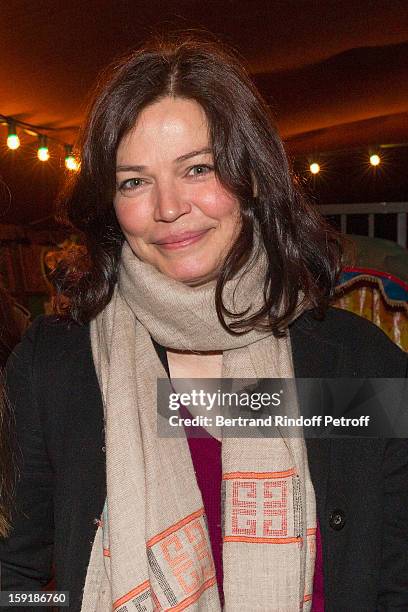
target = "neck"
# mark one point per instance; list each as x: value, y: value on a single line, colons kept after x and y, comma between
x: 188, y: 364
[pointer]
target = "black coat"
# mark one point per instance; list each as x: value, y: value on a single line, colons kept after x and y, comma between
x: 361, y: 485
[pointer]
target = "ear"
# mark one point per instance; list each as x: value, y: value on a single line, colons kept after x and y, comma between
x: 254, y: 185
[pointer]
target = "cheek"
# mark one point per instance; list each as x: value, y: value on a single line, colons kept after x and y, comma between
x: 229, y: 212
x: 220, y: 204
x: 132, y: 217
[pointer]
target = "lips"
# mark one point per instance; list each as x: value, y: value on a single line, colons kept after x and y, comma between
x: 182, y: 239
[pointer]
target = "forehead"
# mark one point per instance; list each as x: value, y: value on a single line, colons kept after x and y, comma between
x: 170, y: 127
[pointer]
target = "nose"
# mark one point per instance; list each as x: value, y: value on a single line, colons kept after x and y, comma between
x: 170, y: 203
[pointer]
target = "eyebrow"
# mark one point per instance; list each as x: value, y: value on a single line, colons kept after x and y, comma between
x: 132, y: 168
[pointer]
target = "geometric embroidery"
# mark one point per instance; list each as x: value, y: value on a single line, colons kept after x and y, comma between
x: 181, y: 560
x: 161, y: 579
x: 137, y: 603
x: 259, y: 507
x: 182, y: 565
x: 244, y: 509
x: 297, y: 506
x: 136, y: 597
x: 275, y: 507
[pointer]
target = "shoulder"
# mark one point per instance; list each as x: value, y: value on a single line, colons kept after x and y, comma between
x: 50, y: 344
x: 50, y: 376
x: 338, y: 322
x: 364, y: 347
x: 341, y: 326
x: 54, y: 332
x: 57, y: 328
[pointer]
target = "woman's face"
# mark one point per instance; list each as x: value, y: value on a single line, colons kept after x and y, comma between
x: 172, y: 209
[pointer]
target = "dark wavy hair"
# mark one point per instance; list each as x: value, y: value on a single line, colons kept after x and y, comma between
x: 303, y: 252
x: 9, y: 471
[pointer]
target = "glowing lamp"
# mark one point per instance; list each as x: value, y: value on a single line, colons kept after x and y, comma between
x: 13, y: 141
x: 70, y: 162
x: 43, y: 154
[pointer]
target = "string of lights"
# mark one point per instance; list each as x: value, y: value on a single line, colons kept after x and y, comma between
x: 374, y: 156
x: 374, y: 159
x: 72, y: 163
x: 43, y: 152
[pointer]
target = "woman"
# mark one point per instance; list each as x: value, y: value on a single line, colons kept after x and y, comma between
x: 202, y: 256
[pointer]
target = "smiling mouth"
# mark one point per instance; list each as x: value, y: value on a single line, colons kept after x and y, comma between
x: 181, y: 241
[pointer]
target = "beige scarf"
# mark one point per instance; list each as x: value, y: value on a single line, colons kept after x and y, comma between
x: 151, y: 550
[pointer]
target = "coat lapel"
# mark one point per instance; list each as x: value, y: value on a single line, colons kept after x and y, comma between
x: 315, y: 356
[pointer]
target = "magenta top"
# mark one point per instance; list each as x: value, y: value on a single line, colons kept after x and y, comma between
x: 318, y: 590
x: 206, y: 456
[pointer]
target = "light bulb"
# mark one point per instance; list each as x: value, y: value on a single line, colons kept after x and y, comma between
x: 71, y: 163
x: 314, y: 168
x: 374, y: 160
x: 43, y: 154
x: 13, y: 141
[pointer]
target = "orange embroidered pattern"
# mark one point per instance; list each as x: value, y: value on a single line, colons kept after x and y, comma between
x: 181, y: 560
x: 259, y: 507
x: 181, y: 564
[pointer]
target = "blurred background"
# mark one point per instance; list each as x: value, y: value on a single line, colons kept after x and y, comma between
x: 335, y: 74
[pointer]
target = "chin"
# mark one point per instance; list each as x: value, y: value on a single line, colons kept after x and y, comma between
x: 192, y: 277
